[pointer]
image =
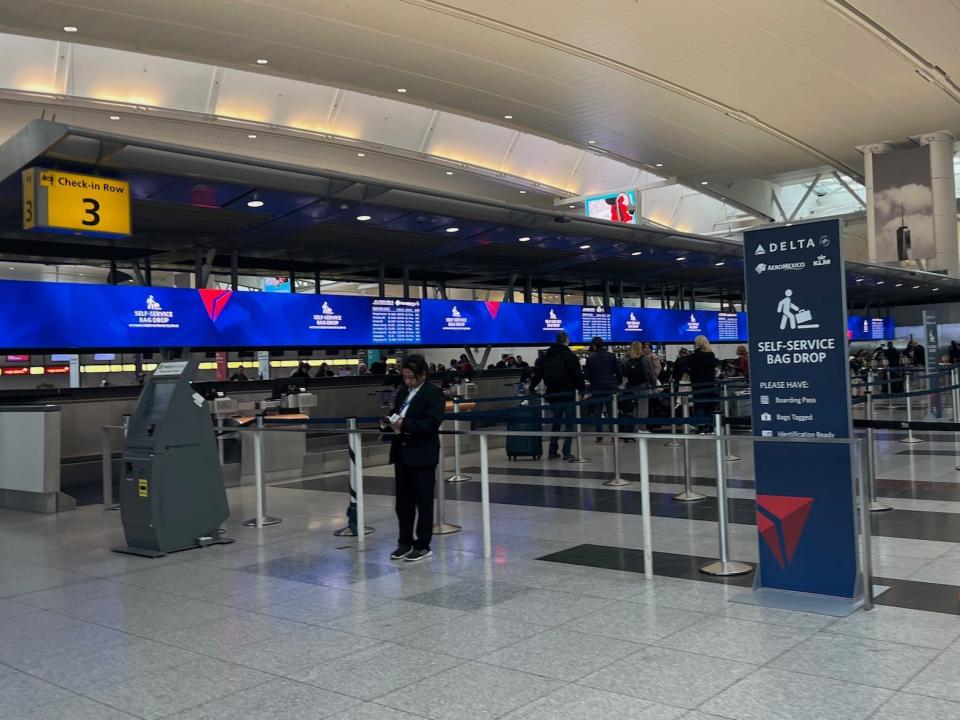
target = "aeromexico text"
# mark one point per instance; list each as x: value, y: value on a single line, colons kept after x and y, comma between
x: 796, y: 352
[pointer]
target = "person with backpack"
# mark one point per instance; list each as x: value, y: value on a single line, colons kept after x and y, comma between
x: 559, y: 370
x: 605, y: 374
x: 641, y: 378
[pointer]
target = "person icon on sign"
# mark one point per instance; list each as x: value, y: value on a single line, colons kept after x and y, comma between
x: 786, y: 308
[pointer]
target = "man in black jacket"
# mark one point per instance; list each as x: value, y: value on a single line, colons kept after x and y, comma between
x: 604, y: 373
x: 414, y: 453
x: 560, y: 371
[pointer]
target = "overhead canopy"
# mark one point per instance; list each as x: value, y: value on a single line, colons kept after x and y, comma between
x: 187, y: 200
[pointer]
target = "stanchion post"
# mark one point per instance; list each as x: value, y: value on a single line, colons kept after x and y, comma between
x: 645, y: 509
x: 723, y: 567
x: 485, y: 495
x: 728, y: 455
x: 441, y: 527
x: 909, y: 438
x: 688, y: 494
x: 260, y: 485
x: 354, y: 508
x: 866, y: 532
x: 457, y: 476
x: 579, y: 459
x: 672, y: 442
x: 954, y: 376
x: 617, y: 481
x: 870, y: 452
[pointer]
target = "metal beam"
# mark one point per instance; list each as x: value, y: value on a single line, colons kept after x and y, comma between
x: 803, y: 200
x: 849, y: 189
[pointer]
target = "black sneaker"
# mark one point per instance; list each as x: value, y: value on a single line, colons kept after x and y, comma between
x: 401, y: 552
x: 553, y: 456
x: 418, y: 555
x: 569, y: 458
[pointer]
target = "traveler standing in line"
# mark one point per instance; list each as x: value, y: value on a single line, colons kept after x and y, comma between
x: 894, y: 371
x: 414, y: 454
x: 654, y: 358
x: 681, y: 368
x: 918, y: 354
x: 703, y: 377
x: 953, y: 354
x: 560, y: 372
x: 641, y: 377
x: 604, y: 373
x: 742, y: 364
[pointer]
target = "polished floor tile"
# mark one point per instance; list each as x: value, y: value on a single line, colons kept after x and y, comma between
x: 393, y: 620
x: 377, y: 670
x: 634, y: 622
x: 733, y: 639
x: 941, y: 678
x: 272, y: 700
x: 472, y: 691
x: 906, y: 706
x: 900, y: 625
x: 288, y: 655
x: 867, y: 662
x: 669, y: 676
x: 471, y: 636
x: 77, y: 708
x: 546, y: 607
x: 470, y: 594
x: 791, y: 696
x: 579, y: 703
x: 20, y: 692
x: 562, y: 654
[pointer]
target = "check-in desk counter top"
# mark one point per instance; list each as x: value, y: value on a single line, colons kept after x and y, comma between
x: 30, y: 459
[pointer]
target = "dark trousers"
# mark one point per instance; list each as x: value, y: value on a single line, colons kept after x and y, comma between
x: 601, y: 403
x: 414, y: 492
x: 562, y: 409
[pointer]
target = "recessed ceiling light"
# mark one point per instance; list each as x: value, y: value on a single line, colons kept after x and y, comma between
x: 401, y: 90
x: 255, y: 203
x: 572, y: 206
x: 879, y: 282
x: 859, y: 279
x: 682, y: 257
x: 361, y: 154
x: 719, y: 264
x: 363, y: 218
x: 584, y: 247
x: 70, y: 28
x: 449, y: 172
x: 523, y: 192
x: 659, y: 165
x: 523, y: 239
x: 704, y: 182
x: 262, y: 61
x: 252, y: 136
x: 11, y: 268
x: 637, y: 252
x: 508, y: 117
x: 453, y: 229
x: 114, y: 117
x: 591, y: 142
x: 916, y: 287
x: 899, y: 285
x: 936, y: 290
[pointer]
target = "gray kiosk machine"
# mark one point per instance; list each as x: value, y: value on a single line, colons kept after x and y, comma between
x: 172, y: 495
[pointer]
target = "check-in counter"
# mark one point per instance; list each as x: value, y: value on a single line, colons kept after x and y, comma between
x: 30, y: 459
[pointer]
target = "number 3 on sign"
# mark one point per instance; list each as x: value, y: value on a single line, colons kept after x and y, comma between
x: 91, y: 212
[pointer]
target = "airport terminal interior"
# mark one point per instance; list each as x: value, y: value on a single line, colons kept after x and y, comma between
x: 455, y: 360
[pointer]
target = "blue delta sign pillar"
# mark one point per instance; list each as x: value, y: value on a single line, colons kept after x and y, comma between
x: 799, y: 385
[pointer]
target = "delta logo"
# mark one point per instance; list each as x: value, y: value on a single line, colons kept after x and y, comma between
x: 781, y: 520
x: 214, y: 301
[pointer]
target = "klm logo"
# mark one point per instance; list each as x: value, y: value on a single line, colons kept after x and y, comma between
x: 821, y: 261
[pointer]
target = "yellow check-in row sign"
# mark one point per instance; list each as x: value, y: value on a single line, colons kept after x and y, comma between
x: 69, y: 202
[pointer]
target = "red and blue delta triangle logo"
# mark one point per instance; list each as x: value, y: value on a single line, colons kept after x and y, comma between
x: 214, y: 301
x: 781, y: 520
x: 493, y: 307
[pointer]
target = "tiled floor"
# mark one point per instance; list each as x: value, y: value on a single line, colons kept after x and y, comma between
x: 291, y: 622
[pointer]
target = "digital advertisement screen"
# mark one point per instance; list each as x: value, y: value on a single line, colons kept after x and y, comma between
x: 37, y: 316
x: 866, y: 328
x: 615, y: 207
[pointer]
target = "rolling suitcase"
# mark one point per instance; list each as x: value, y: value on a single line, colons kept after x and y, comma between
x: 527, y: 417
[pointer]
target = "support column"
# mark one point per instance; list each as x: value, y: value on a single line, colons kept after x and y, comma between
x: 528, y: 289
x: 293, y: 281
x: 147, y: 271
x: 406, y: 282
x: 316, y: 282
x: 943, y: 185
x: 868, y: 152
x: 382, y: 280
x: 112, y: 279
x: 606, y: 293
x: 620, y: 294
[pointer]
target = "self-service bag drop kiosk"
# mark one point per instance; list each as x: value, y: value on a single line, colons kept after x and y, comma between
x: 172, y: 495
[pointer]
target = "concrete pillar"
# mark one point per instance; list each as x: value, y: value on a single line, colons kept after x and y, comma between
x: 868, y: 152
x: 943, y: 186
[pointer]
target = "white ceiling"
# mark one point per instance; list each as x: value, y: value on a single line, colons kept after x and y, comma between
x: 713, y: 89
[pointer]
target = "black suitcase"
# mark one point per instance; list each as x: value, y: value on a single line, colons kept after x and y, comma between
x: 525, y: 418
